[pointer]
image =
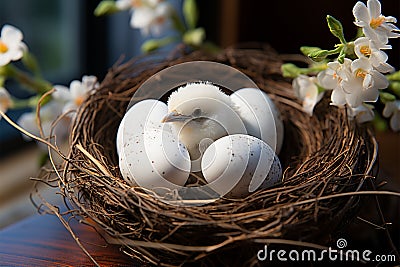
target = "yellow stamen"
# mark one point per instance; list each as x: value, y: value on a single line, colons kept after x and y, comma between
x: 79, y: 100
x: 3, y: 47
x: 361, y: 73
x: 337, y: 77
x: 365, y: 50
x: 376, y: 22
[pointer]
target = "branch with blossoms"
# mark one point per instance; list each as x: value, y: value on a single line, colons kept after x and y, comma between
x: 54, y: 106
x: 359, y: 74
x: 52, y: 100
x: 154, y: 17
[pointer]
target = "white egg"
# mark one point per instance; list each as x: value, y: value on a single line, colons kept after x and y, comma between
x: 260, y: 116
x: 146, y: 113
x: 150, y: 156
x: 236, y: 165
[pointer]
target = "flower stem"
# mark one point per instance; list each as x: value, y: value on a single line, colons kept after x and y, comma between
x: 178, y: 24
x: 38, y: 85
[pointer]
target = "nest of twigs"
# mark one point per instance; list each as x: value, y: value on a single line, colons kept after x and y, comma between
x: 326, y: 158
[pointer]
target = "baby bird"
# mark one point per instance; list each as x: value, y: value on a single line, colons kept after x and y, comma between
x: 201, y: 113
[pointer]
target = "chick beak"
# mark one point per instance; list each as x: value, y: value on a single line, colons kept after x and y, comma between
x: 175, y: 117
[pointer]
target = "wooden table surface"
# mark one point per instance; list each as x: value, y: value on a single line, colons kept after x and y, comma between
x: 42, y: 240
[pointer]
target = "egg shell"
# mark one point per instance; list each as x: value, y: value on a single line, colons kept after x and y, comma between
x: 236, y: 165
x: 150, y: 155
x: 146, y: 113
x: 260, y: 116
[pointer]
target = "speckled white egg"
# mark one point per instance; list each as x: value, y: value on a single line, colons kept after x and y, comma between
x: 146, y: 113
x: 150, y: 154
x: 260, y: 116
x: 236, y: 165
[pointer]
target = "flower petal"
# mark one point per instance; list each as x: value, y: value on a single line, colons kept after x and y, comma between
x: 354, y: 98
x: 61, y: 93
x: 367, y: 81
x: 385, y: 68
x: 28, y: 122
x: 361, y: 63
x: 123, y: 4
x: 327, y: 81
x: 10, y: 34
x: 142, y: 17
x: 389, y: 109
x: 360, y: 12
x: 374, y: 8
x: 391, y: 19
x: 395, y: 121
x: 380, y: 80
x: 338, y: 97
x: 89, y: 82
x: 4, y: 59
x: 76, y: 89
x: 15, y: 54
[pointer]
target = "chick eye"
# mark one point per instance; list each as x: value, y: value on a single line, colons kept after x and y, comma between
x: 196, y: 112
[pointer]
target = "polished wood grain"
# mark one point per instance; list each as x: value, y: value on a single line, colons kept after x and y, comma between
x: 42, y: 240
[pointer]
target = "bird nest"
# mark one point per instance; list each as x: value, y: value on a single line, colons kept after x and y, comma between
x: 326, y: 159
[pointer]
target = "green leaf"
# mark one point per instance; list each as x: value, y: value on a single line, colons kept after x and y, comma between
x: 395, y: 87
x: 349, y: 50
x: 30, y: 62
x: 290, y: 70
x: 191, y: 13
x: 106, y: 7
x: 2, y: 80
x: 386, y: 97
x: 4, y: 71
x: 341, y: 56
x: 319, y: 55
x: 394, y: 76
x: 155, y: 44
x: 177, y: 23
x: 320, y: 88
x: 194, y: 37
x: 306, y: 50
x: 336, y: 28
x: 379, y: 123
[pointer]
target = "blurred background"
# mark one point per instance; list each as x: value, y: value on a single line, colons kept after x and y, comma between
x: 69, y: 41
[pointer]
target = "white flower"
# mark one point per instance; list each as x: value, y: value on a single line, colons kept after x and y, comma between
x: 131, y: 4
x: 306, y: 89
x: 332, y: 78
x: 5, y: 100
x: 151, y: 19
x: 362, y: 113
x: 392, y: 109
x: 363, y: 83
x: 150, y: 16
x: 11, y: 46
x: 375, y: 26
x: 74, y: 96
x: 365, y: 48
x: 48, y: 116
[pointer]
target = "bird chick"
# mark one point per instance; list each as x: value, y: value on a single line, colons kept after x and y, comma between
x: 201, y: 113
